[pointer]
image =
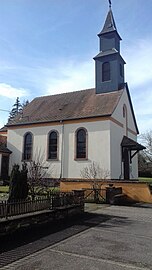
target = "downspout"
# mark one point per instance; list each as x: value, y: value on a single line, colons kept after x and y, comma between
x: 62, y: 149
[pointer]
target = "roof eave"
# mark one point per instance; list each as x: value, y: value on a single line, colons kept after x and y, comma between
x: 129, y: 97
x: 57, y: 121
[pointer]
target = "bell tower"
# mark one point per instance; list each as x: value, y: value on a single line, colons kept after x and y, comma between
x: 109, y: 64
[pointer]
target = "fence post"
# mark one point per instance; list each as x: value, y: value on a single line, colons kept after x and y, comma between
x: 79, y: 195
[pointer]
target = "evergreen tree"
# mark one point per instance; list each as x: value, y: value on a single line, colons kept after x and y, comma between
x: 17, y: 108
x: 25, y: 103
x: 18, y: 189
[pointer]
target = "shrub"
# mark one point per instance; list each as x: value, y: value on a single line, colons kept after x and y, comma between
x: 18, y: 189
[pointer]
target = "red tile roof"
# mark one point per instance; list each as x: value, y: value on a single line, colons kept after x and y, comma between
x: 68, y: 106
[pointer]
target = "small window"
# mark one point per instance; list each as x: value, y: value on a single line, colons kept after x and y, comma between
x: 105, y: 71
x: 53, y: 145
x: 27, y: 154
x: 81, y: 143
x: 124, y: 111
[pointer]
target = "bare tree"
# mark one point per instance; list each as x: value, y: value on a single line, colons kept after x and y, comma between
x: 142, y: 163
x: 95, y: 172
x: 146, y: 139
x: 37, y: 172
x: 145, y: 156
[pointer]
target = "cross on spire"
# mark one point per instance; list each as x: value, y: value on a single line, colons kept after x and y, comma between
x: 110, y: 3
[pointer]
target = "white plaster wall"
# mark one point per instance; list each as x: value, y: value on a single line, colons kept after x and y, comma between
x: 117, y: 134
x: 98, y: 147
x: 15, y: 144
x: 118, y: 113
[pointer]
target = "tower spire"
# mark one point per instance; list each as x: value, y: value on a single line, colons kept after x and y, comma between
x: 109, y: 63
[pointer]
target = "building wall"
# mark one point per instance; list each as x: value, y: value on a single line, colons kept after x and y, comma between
x: 116, y: 135
x: 138, y: 191
x: 98, y: 147
x: 118, y: 115
x: 125, y: 127
x: 3, y: 139
x: 104, y: 144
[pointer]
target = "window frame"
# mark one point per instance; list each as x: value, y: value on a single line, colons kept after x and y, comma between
x: 57, y: 145
x: 106, y: 72
x: 86, y: 144
x: 31, y: 147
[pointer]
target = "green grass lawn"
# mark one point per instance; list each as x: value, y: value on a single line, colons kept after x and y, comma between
x: 145, y: 179
x: 4, y: 189
x: 4, y: 192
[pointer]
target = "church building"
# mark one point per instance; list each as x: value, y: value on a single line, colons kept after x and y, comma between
x: 70, y: 131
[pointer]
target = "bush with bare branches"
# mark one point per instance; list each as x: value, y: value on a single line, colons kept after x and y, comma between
x: 37, y: 174
x: 95, y: 172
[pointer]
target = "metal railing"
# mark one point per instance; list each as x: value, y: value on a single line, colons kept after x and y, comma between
x: 53, y: 201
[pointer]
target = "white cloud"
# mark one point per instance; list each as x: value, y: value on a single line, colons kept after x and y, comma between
x: 72, y: 76
x: 8, y: 91
x: 139, y: 65
x: 139, y: 77
x: 142, y: 99
x: 144, y: 124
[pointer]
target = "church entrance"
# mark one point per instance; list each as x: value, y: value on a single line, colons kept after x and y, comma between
x: 126, y: 162
x: 129, y: 149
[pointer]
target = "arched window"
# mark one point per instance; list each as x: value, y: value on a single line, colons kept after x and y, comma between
x: 53, y: 145
x: 81, y: 143
x: 105, y: 71
x: 28, y: 142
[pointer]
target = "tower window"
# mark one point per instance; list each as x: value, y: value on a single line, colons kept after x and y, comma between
x: 106, y: 71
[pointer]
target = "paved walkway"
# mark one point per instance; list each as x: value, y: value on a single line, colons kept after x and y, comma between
x: 117, y: 238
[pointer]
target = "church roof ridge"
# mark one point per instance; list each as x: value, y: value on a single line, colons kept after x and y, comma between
x: 68, y: 92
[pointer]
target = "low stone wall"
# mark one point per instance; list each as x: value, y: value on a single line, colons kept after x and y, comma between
x: 138, y: 191
x: 12, y: 224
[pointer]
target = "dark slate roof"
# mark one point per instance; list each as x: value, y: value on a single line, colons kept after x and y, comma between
x: 4, y: 149
x: 109, y: 24
x: 105, y: 53
x: 109, y: 52
x: 68, y: 106
x: 131, y: 144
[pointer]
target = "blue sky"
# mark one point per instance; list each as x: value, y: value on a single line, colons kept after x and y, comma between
x: 47, y: 47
